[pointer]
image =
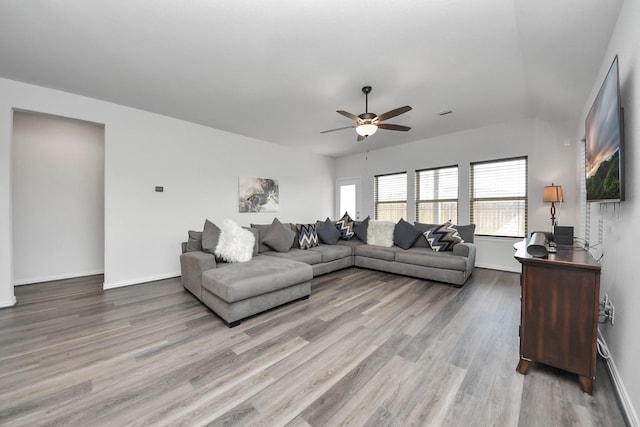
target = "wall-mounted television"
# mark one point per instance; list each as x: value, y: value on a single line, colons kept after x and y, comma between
x: 605, y: 142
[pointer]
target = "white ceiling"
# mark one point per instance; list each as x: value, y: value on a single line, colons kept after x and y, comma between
x: 278, y: 70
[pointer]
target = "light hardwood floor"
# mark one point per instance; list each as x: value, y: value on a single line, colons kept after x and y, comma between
x: 368, y: 348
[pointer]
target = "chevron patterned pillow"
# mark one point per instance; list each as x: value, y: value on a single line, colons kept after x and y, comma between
x: 307, y: 235
x: 345, y: 226
x: 443, y: 237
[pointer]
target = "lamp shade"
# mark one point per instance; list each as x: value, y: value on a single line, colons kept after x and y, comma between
x: 366, y: 129
x: 552, y: 193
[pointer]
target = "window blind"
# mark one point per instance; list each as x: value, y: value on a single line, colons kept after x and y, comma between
x: 390, y: 195
x: 499, y: 201
x: 436, y: 192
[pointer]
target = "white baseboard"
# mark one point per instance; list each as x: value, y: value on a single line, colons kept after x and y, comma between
x: 137, y: 281
x: 628, y: 410
x: 499, y: 267
x: 32, y: 280
x: 8, y: 303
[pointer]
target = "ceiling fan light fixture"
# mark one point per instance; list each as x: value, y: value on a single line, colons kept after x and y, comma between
x: 366, y: 129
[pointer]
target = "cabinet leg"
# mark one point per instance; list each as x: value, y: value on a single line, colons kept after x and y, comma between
x: 523, y: 366
x: 586, y: 384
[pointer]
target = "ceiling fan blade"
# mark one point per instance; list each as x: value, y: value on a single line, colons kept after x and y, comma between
x: 361, y: 137
x: 393, y: 113
x: 393, y: 127
x: 333, y: 130
x: 348, y: 114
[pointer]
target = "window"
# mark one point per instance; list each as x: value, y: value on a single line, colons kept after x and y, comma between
x: 499, y: 197
x: 390, y: 195
x: 437, y: 195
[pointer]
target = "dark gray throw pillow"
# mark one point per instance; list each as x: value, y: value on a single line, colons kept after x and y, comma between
x: 327, y: 232
x: 210, y: 237
x: 194, y: 243
x: 360, y: 230
x: 405, y: 234
x: 279, y: 237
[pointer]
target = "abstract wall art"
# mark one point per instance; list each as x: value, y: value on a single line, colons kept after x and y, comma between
x: 258, y: 195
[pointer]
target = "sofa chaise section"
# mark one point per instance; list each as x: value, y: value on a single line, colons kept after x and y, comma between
x: 237, y: 291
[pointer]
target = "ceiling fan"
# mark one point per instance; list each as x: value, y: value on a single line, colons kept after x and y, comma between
x: 368, y: 123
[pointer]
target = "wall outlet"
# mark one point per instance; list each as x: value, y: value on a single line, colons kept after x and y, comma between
x: 608, y: 310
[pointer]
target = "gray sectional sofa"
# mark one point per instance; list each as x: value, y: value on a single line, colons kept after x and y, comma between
x: 235, y: 291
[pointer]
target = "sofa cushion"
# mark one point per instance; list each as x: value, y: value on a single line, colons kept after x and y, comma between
x: 235, y: 243
x: 443, y: 237
x: 307, y: 256
x: 260, y: 276
x: 360, y: 230
x: 332, y: 252
x: 380, y: 233
x: 378, y: 252
x: 279, y: 237
x: 327, y: 232
x: 194, y: 243
x: 405, y: 234
x: 352, y: 244
x: 307, y: 236
x: 210, y: 237
x: 345, y: 226
x: 428, y: 258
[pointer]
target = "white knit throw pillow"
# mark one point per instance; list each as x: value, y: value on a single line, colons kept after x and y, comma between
x: 235, y: 243
x: 380, y: 233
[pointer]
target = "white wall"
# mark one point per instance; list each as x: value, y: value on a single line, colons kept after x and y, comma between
x: 551, y: 159
x: 198, y: 167
x: 58, y: 198
x: 620, y: 225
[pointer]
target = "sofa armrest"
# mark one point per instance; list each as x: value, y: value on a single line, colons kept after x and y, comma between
x: 192, y: 265
x: 464, y: 249
x: 467, y: 250
x: 184, y: 247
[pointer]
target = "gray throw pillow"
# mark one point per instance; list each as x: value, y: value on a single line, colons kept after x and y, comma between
x: 327, y: 232
x: 422, y: 242
x: 210, y: 237
x: 279, y: 237
x: 360, y: 230
x: 467, y: 232
x: 262, y: 231
x: 256, y: 235
x: 194, y: 243
x: 405, y: 234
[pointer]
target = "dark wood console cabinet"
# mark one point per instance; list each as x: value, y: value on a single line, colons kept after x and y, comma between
x: 559, y: 311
